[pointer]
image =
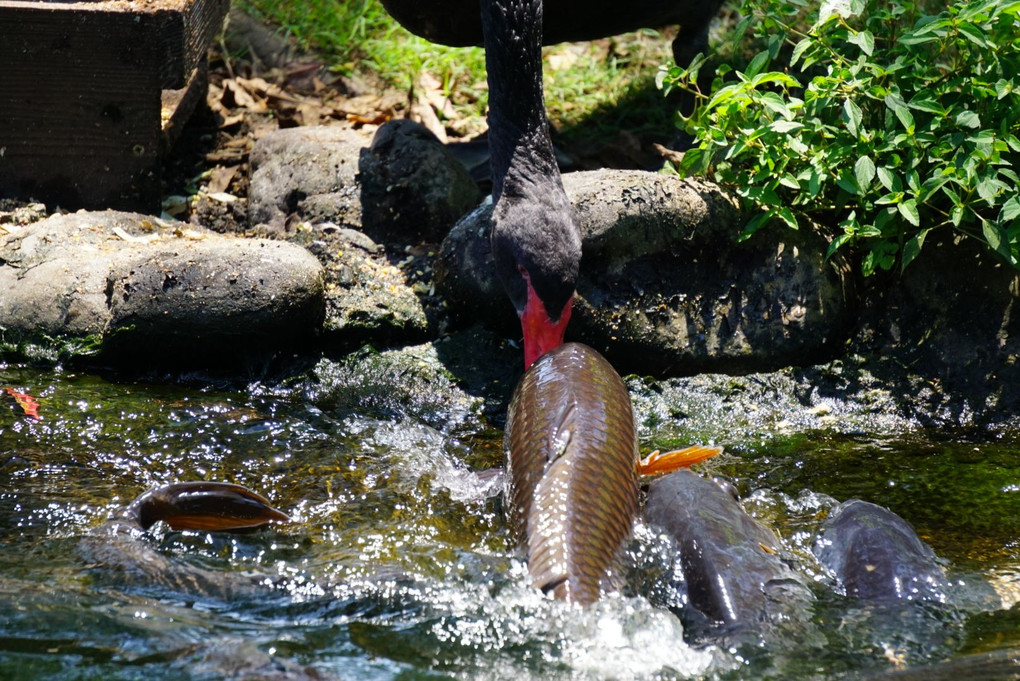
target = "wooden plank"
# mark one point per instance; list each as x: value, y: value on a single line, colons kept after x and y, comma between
x: 177, y: 106
x: 81, y: 94
x: 201, y: 21
x: 79, y: 108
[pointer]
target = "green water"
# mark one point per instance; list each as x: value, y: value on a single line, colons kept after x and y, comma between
x: 399, y: 564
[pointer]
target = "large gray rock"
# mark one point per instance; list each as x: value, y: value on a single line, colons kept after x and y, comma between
x: 665, y: 287
x: 129, y: 284
x: 403, y: 186
x: 306, y: 174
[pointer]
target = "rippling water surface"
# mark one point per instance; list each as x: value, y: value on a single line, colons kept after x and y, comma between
x: 399, y: 564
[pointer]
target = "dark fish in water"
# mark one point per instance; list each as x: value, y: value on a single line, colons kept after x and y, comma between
x: 876, y: 555
x: 573, y: 470
x: 730, y: 561
x: 121, y: 554
x: 206, y: 506
x: 120, y: 548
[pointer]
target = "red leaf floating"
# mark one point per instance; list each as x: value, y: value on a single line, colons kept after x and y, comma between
x: 26, y: 402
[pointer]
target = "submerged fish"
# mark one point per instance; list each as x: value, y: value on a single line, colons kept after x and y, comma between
x: 119, y: 547
x: 731, y: 565
x: 875, y: 554
x: 211, y: 506
x: 573, y: 469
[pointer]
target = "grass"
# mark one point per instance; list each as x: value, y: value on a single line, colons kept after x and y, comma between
x: 592, y: 89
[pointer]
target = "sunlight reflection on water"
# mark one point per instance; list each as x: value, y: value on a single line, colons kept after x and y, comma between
x: 400, y: 564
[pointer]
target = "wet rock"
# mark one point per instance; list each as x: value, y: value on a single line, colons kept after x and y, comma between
x: 128, y: 285
x: 875, y: 555
x: 732, y: 570
x: 371, y: 296
x: 444, y: 384
x: 412, y: 185
x: 992, y: 665
x: 842, y: 396
x: 951, y: 318
x: 665, y: 288
x: 308, y: 174
x: 404, y: 186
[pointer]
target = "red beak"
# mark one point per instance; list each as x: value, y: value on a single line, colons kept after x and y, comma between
x: 541, y: 333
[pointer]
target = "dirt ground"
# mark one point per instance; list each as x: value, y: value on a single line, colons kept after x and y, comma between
x: 259, y: 82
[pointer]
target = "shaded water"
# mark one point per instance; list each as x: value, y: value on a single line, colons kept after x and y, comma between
x: 399, y: 565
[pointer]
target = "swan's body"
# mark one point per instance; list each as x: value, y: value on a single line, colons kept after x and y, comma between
x: 456, y: 22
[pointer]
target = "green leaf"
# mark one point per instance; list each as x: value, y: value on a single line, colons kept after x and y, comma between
x: 852, y: 116
x: 953, y: 196
x: 837, y: 243
x: 868, y: 264
x: 899, y: 107
x: 814, y: 183
x: 993, y: 235
x: 759, y: 62
x: 787, y: 216
x: 773, y: 102
x: 913, y: 180
x: 908, y: 209
x: 1010, y: 210
x: 789, y: 181
x: 784, y: 127
x: 988, y: 188
x: 925, y: 102
x: 973, y: 34
x: 754, y: 224
x: 864, y: 171
x: 889, y: 179
x: 912, y: 248
x: 783, y: 80
x: 956, y: 215
x: 864, y: 40
x: 848, y: 184
x: 968, y: 119
x: 799, y: 49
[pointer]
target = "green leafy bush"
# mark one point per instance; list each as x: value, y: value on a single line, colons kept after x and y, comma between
x: 880, y: 121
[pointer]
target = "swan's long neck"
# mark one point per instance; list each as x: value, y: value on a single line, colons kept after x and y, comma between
x: 520, y: 148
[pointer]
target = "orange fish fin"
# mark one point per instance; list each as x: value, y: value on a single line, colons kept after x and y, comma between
x: 657, y: 464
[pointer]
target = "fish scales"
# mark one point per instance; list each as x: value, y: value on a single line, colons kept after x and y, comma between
x: 571, y: 469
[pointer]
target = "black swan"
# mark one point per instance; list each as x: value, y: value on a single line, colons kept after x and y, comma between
x: 536, y: 243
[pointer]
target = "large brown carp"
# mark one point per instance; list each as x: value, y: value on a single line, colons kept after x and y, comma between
x: 573, y: 469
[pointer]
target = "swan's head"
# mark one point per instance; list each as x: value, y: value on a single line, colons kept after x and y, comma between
x: 536, y: 245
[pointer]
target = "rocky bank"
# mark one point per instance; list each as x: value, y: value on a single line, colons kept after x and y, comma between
x: 382, y: 241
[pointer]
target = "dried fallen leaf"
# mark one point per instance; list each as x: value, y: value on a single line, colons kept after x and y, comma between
x: 132, y: 238
x: 220, y: 178
x: 222, y: 197
x: 26, y: 402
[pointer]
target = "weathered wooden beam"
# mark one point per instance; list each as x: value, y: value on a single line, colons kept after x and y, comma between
x: 82, y: 93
